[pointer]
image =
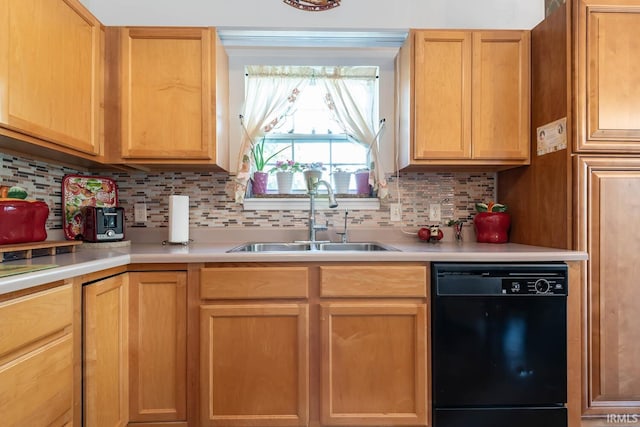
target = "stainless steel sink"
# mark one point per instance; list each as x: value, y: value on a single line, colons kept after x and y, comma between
x: 310, y: 247
x: 355, y: 246
x: 271, y: 247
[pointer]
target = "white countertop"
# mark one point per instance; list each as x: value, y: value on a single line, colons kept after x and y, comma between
x: 87, y: 260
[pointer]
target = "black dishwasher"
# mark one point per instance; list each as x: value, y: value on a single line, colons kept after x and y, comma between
x: 499, y: 344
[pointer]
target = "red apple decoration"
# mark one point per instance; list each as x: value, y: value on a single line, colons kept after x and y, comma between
x: 424, y: 234
x: 492, y: 223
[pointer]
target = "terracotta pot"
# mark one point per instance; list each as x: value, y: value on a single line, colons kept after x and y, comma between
x: 492, y: 227
x: 260, y: 182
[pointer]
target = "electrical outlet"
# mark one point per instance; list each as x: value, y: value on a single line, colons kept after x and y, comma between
x: 434, y: 212
x: 140, y: 212
x: 396, y: 213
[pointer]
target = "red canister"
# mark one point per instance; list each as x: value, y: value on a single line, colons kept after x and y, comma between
x: 22, y: 221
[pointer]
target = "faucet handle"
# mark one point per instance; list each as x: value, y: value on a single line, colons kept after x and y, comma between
x: 321, y: 227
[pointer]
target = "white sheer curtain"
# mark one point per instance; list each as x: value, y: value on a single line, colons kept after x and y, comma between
x: 271, y: 93
x: 351, y: 96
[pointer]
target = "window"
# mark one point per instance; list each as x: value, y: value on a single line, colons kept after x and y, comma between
x: 331, y: 116
x: 310, y: 133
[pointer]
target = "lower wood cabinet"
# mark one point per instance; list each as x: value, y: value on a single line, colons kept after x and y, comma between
x: 254, y: 365
x: 314, y: 345
x: 158, y: 346
x: 373, y: 339
x: 612, y: 238
x: 37, y: 384
x: 106, y: 344
x: 373, y: 364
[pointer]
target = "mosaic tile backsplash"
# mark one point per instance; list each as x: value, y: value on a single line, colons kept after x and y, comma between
x: 212, y: 205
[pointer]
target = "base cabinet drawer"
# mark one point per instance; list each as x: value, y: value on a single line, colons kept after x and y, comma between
x: 37, y: 388
x: 37, y: 353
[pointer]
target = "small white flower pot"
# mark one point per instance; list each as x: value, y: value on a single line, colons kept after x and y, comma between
x: 341, y: 181
x: 285, y: 181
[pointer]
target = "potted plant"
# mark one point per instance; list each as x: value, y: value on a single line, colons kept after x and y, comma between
x: 362, y: 181
x: 312, y: 173
x: 284, y: 171
x: 492, y: 223
x: 341, y: 180
x: 260, y: 177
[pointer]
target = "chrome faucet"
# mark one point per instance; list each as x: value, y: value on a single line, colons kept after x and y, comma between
x: 344, y: 238
x: 313, y: 192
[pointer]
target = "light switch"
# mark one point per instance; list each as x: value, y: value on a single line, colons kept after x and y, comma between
x: 140, y: 212
x: 396, y: 213
x: 434, y: 212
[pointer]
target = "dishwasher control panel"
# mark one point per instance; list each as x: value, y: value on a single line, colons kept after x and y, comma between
x: 534, y: 286
x: 505, y: 279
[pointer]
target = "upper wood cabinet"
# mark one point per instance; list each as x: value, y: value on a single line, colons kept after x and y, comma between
x: 167, y: 101
x: 608, y: 76
x: 464, y: 98
x: 51, y: 76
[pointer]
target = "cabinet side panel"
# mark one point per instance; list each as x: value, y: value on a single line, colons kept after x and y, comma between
x: 539, y: 196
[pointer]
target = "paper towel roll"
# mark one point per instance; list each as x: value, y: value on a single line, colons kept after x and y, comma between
x: 178, y: 219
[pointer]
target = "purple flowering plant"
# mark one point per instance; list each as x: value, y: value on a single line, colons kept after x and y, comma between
x: 287, y: 166
x: 313, y: 166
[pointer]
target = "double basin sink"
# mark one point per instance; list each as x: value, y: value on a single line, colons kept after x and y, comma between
x: 309, y: 247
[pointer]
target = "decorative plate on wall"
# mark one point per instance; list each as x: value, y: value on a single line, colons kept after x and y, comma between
x: 313, y: 5
x: 79, y: 191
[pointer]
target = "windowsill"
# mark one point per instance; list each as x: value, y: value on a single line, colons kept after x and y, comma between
x: 302, y: 204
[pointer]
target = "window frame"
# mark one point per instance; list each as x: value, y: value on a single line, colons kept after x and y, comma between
x: 383, y: 57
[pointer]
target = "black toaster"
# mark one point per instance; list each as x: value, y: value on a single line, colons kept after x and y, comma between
x: 102, y: 224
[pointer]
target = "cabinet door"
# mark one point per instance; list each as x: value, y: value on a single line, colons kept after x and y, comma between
x: 608, y: 71
x: 158, y: 344
x: 442, y: 95
x: 168, y: 109
x: 612, y: 237
x: 106, y: 375
x: 374, y: 364
x: 51, y: 72
x: 36, y: 359
x: 254, y: 365
x: 500, y: 95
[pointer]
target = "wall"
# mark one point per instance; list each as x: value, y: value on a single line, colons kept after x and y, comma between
x: 211, y: 197
x: 351, y: 14
x: 551, y: 5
